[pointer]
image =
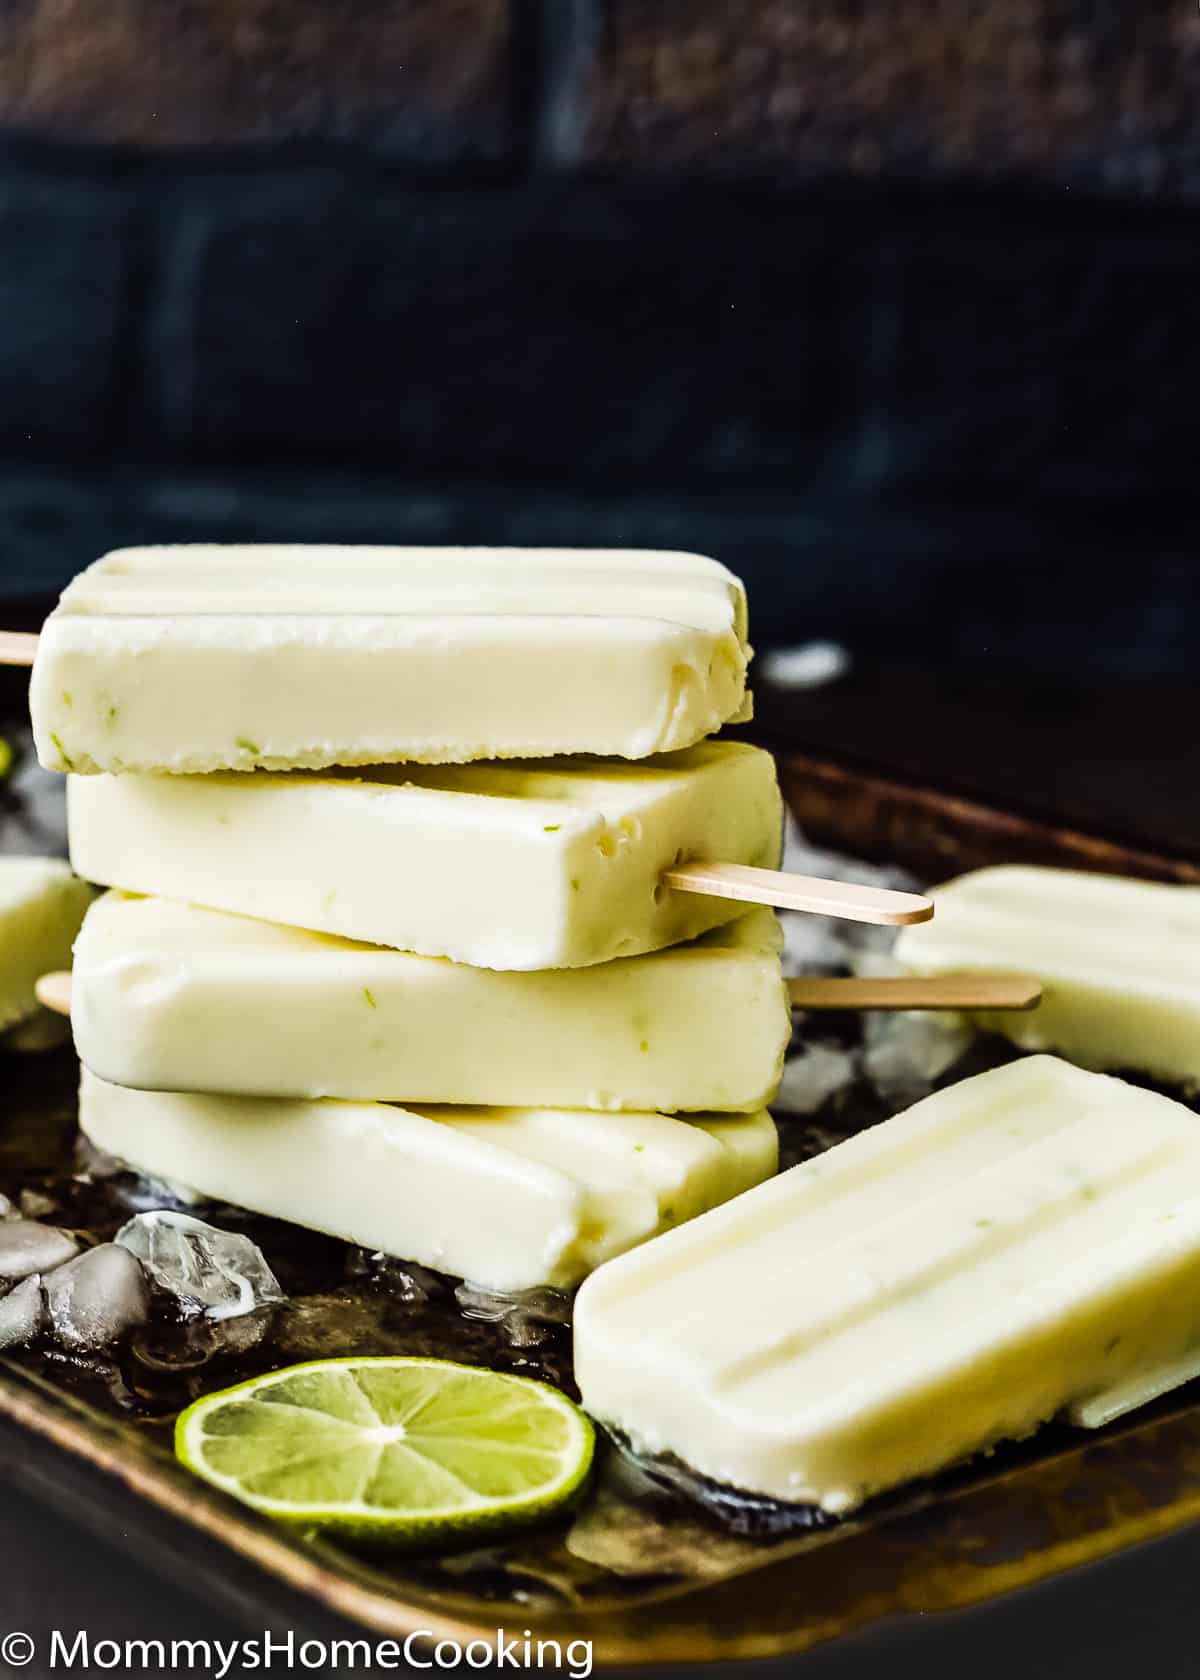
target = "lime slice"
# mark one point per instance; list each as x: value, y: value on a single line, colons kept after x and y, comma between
x: 398, y: 1452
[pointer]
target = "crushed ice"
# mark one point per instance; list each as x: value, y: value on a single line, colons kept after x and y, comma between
x: 813, y: 1076
x: 92, y: 1165
x: 27, y: 1248
x: 805, y: 665
x: 96, y: 1298
x: 405, y: 1280
x: 907, y: 1052
x: 34, y: 1204
x: 902, y: 1054
x: 84, y: 1300
x: 22, y: 1313
x: 527, y: 1316
x: 212, y: 1273
x: 142, y: 1191
x: 845, y: 939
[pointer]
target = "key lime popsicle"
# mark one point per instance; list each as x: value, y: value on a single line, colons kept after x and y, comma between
x: 1119, y: 962
x: 169, y: 997
x: 233, y: 657
x: 41, y: 907
x: 517, y: 866
x: 508, y: 1198
x: 1018, y: 1244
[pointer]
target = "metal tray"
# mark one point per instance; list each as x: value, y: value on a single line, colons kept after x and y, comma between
x: 1017, y: 1518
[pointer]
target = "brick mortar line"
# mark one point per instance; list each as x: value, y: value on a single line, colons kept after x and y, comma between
x: 571, y: 35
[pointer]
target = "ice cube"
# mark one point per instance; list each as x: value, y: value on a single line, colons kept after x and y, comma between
x: 92, y: 1165
x: 807, y: 665
x: 405, y: 1280
x: 22, y: 1313
x: 219, y: 1274
x: 527, y: 1316
x: 142, y: 1192
x: 812, y: 942
x: 35, y: 1204
x: 907, y: 1052
x: 97, y: 1298
x: 812, y: 1077
x: 27, y: 1247
x: 876, y: 965
x: 835, y: 943
x: 805, y: 858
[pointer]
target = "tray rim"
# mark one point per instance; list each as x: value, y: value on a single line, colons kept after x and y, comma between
x: 689, y: 1625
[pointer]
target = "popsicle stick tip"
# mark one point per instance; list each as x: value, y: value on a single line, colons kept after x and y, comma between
x: 906, y: 991
x: 53, y: 991
x: 847, y: 900
x: 17, y: 647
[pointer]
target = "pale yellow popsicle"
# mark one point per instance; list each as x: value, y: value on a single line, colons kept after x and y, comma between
x: 508, y: 1198
x: 534, y: 866
x: 41, y: 906
x: 1119, y: 962
x: 240, y: 656
x: 169, y: 997
x: 1021, y: 1243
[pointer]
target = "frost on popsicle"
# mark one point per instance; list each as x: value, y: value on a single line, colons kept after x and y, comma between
x: 213, y: 1274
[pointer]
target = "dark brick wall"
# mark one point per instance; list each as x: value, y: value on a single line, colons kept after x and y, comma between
x: 63, y: 283
x: 416, y: 79
x: 546, y: 330
x: 1102, y: 94
x: 469, y: 272
x: 596, y: 333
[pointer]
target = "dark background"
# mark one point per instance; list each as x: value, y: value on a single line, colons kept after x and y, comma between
x: 892, y: 306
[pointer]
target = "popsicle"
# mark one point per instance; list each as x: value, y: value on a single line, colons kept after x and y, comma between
x: 515, y: 866
x: 206, y: 657
x: 41, y: 906
x: 169, y: 997
x: 1020, y: 1243
x: 548, y: 864
x: 1119, y: 962
x: 508, y: 1198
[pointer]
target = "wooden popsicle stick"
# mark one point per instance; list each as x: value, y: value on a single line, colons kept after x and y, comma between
x: 17, y: 647
x: 845, y: 899
x: 53, y: 991
x: 910, y: 991
x: 940, y: 991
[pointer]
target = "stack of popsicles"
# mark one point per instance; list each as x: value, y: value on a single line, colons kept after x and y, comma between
x: 442, y: 1005
x: 467, y: 1013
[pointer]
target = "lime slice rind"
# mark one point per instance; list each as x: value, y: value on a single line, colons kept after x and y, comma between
x: 271, y: 1443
